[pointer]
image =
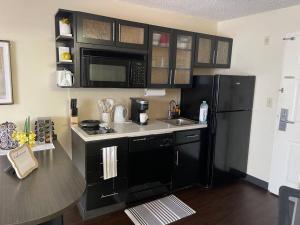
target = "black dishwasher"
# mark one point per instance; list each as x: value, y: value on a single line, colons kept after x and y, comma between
x: 150, y: 165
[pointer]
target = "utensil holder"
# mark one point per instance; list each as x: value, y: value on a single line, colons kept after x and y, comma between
x: 106, y: 117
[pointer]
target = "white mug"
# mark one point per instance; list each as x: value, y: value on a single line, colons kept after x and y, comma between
x: 143, y: 117
x: 65, y: 78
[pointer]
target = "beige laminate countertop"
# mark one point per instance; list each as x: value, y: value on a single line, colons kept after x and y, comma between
x: 130, y: 129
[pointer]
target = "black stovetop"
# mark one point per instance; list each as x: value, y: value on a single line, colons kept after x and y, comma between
x: 97, y: 130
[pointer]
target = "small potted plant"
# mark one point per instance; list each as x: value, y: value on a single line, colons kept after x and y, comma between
x: 65, y: 27
x: 26, y: 136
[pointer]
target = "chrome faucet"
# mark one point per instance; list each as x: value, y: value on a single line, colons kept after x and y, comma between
x: 171, y: 111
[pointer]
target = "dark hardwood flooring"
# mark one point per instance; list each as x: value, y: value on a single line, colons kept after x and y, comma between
x: 236, y: 204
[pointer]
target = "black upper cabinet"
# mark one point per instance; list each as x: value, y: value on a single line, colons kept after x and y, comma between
x: 94, y: 29
x: 184, y: 57
x: 204, y: 53
x: 170, y: 58
x: 223, y: 52
x: 131, y: 34
x: 160, y: 57
x: 212, y: 51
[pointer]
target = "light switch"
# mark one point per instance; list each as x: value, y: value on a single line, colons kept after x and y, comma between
x: 267, y: 40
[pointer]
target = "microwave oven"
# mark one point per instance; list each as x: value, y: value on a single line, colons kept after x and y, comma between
x: 110, y: 69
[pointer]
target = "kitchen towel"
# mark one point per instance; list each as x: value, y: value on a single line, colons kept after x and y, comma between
x: 109, y: 155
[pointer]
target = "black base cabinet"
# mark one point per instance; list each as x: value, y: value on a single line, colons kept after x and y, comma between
x: 87, y: 156
x: 147, y: 166
x: 187, y: 159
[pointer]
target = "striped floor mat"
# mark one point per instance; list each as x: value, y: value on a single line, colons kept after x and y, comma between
x: 162, y: 211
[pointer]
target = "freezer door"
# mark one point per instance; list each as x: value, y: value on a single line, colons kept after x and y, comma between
x: 233, y: 93
x: 231, y: 145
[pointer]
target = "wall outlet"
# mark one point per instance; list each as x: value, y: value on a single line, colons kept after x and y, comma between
x: 269, y: 102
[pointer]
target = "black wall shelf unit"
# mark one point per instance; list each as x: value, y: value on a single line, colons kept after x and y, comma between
x: 171, y: 54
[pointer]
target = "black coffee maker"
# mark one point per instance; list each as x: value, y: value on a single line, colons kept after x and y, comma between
x: 139, y: 109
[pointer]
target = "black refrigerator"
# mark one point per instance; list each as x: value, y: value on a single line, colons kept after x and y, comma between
x: 224, y: 153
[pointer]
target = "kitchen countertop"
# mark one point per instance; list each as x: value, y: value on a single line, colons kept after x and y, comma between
x: 130, y: 129
x: 42, y: 196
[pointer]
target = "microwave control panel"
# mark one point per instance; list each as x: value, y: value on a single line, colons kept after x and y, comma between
x: 138, y: 74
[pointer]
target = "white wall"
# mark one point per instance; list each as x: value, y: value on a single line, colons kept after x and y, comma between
x: 30, y: 26
x: 252, y: 55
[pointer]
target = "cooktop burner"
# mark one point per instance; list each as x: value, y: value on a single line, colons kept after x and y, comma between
x: 100, y: 130
x: 93, y: 127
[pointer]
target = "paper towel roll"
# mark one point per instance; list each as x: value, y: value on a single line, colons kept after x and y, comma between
x: 155, y: 92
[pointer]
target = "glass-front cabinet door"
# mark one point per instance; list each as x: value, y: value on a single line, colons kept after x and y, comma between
x: 205, y: 50
x: 159, y: 66
x: 95, y: 29
x: 132, y: 35
x: 183, y: 59
x: 223, y: 52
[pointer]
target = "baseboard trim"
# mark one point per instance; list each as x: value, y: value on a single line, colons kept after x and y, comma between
x: 258, y: 182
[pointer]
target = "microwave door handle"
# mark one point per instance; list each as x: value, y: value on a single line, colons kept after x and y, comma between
x: 130, y: 75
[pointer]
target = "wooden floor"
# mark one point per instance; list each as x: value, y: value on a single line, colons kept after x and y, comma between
x: 236, y: 204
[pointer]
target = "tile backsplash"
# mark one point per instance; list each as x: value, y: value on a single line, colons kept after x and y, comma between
x: 87, y: 100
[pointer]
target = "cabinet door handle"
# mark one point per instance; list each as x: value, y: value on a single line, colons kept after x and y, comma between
x: 113, y: 33
x: 139, y: 139
x: 165, y: 145
x: 105, y: 196
x: 170, y: 78
x: 192, y: 136
x: 213, y: 59
x: 177, y: 158
x: 120, y: 34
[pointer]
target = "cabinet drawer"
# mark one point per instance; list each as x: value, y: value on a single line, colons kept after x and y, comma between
x: 187, y: 136
x: 100, y: 194
x: 105, y: 193
x: 94, y: 173
x: 95, y: 147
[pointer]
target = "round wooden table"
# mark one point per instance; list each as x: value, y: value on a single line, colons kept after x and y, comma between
x: 44, y: 194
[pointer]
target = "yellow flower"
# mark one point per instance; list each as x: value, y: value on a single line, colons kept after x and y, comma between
x: 22, y: 138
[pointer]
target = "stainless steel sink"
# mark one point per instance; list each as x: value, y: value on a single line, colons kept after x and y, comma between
x: 180, y: 122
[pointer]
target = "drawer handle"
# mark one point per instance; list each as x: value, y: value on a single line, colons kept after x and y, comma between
x: 165, y: 145
x: 110, y: 195
x: 192, y: 136
x: 140, y: 139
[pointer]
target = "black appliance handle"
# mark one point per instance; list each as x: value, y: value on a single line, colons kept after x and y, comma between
x: 192, y: 136
x: 84, y: 73
x: 139, y: 139
x: 213, y: 123
x: 130, y: 76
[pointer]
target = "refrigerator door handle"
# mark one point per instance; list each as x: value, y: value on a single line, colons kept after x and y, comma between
x: 214, y: 123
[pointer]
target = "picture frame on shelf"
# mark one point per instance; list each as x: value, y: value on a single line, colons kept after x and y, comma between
x: 6, y: 91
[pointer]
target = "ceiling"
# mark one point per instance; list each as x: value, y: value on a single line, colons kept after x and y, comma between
x: 217, y: 9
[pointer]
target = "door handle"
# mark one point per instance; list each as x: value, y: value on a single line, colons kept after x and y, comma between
x: 140, y: 139
x: 192, y: 136
x: 287, y: 121
x: 213, y: 59
x: 171, y: 75
x: 110, y: 195
x: 177, y: 158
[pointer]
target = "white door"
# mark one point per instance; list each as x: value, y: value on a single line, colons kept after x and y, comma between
x: 285, y: 169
